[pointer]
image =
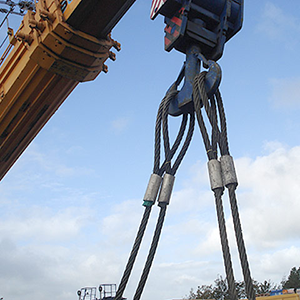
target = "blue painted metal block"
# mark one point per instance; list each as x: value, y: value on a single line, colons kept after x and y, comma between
x: 198, y: 27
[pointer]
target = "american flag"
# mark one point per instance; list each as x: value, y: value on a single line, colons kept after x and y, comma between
x: 156, y: 5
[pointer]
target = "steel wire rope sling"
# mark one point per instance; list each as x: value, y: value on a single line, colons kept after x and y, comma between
x: 166, y: 188
x: 199, y: 29
x: 161, y: 181
x: 221, y: 173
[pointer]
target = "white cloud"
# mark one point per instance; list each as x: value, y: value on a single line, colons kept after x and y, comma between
x: 51, y: 254
x: 279, y: 26
x: 41, y: 224
x: 285, y: 93
x: 56, y: 272
x: 120, y: 124
x: 270, y: 196
x: 275, y: 265
x: 49, y: 162
x: 120, y: 226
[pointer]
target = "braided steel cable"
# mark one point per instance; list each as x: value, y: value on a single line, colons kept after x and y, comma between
x: 224, y: 147
x: 169, y: 153
x: 200, y: 86
x: 199, y: 91
x: 225, y: 245
x: 185, y: 145
x: 210, y: 108
x: 156, y: 170
x: 176, y: 143
x: 159, y: 170
x: 211, y: 112
x: 166, y: 138
x: 221, y: 135
x: 202, y: 127
x: 156, y: 167
x: 133, y: 253
x: 151, y: 254
x: 234, y: 207
x: 214, y: 133
x: 166, y: 100
x: 240, y: 242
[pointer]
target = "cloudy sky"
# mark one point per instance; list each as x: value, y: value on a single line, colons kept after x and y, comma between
x: 71, y: 205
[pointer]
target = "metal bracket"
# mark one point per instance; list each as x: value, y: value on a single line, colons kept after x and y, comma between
x: 183, y: 101
x: 206, y: 23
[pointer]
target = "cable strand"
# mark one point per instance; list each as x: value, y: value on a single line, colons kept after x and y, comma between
x: 240, y: 242
x: 225, y: 245
x: 151, y: 254
x: 133, y: 254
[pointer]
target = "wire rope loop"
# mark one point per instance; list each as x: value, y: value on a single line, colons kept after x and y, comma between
x: 151, y: 254
x: 172, y: 92
x: 215, y: 112
x: 133, y: 254
x: 162, y: 131
x: 201, y: 123
x: 162, y: 128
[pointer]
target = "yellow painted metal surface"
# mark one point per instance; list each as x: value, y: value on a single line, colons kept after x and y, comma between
x: 47, y: 60
x: 293, y: 296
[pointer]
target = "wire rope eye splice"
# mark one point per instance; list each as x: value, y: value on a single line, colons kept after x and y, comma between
x: 199, y: 29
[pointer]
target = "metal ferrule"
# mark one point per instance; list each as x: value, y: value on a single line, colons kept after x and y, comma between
x: 215, y: 174
x: 166, y: 189
x: 153, y: 188
x: 228, y: 170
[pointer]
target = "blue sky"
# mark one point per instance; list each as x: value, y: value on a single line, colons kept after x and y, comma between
x: 71, y: 205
